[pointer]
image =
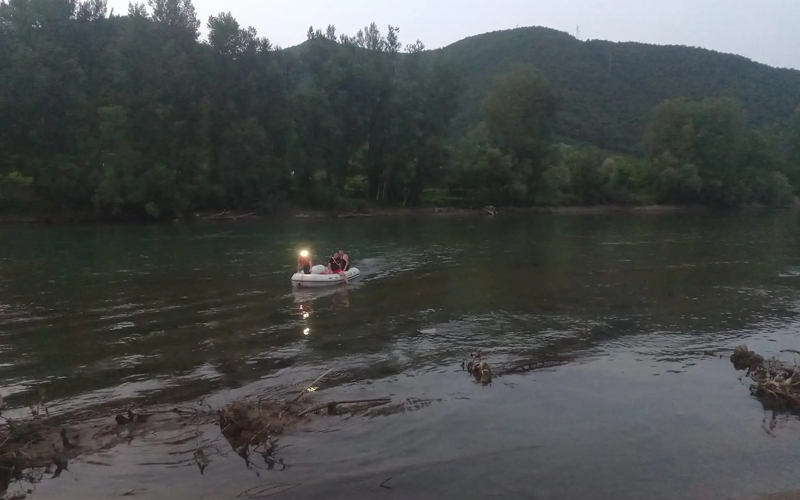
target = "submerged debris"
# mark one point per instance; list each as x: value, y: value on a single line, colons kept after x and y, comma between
x: 258, y: 423
x: 409, y: 405
x: 201, y: 460
x: 39, y: 446
x: 245, y: 424
x: 254, y: 427
x: 776, y: 385
x: 478, y: 368
x: 745, y: 359
x: 26, y: 449
x: 527, y: 365
x: 36, y: 447
x: 483, y: 373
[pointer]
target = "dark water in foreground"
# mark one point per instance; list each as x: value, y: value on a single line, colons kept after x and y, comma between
x: 97, y: 316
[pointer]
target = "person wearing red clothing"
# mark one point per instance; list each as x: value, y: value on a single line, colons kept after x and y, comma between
x: 304, y: 262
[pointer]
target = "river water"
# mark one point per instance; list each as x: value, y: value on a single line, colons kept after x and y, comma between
x: 642, y: 306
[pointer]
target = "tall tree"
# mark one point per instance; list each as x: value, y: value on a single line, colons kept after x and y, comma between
x: 710, y: 135
x: 794, y: 143
x: 519, y: 112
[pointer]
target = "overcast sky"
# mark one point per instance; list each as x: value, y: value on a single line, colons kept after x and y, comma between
x: 767, y: 31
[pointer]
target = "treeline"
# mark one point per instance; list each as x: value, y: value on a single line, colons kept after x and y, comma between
x: 134, y: 116
x: 697, y: 152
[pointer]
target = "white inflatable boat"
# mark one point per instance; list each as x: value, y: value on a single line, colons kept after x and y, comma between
x: 316, y: 278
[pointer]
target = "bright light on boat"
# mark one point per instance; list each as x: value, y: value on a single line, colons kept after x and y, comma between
x: 306, y: 315
x: 304, y: 253
x: 306, y: 331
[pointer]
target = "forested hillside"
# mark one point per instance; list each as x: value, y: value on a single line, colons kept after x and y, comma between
x: 607, y: 90
x: 134, y: 116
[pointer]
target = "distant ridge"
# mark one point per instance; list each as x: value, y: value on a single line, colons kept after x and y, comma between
x: 608, y: 89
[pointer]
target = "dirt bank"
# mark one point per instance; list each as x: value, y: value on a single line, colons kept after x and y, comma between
x: 465, y: 212
x: 8, y: 219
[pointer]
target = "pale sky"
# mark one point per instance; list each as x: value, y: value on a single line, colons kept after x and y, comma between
x: 766, y: 31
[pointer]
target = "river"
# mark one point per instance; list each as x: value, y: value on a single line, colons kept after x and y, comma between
x: 645, y: 307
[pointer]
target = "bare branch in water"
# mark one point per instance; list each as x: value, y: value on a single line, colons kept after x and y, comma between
x: 309, y: 387
x: 334, y: 404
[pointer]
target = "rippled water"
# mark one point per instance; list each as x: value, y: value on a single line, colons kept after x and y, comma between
x: 98, y: 316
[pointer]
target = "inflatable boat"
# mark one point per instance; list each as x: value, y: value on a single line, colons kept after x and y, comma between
x: 316, y: 278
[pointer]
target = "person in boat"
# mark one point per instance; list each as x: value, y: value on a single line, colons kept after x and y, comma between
x: 304, y: 262
x: 335, y: 266
x: 345, y: 260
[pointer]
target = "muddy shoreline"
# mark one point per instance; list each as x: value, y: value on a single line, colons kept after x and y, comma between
x: 11, y: 218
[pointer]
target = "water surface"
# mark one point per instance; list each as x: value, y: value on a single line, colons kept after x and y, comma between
x: 97, y: 317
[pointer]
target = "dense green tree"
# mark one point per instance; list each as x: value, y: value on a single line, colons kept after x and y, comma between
x: 484, y: 173
x: 587, y: 180
x: 677, y: 183
x: 703, y: 151
x: 794, y: 142
x: 708, y: 135
x: 519, y: 112
x: 134, y: 115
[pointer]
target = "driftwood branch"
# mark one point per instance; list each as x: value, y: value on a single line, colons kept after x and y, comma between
x: 334, y: 404
x: 774, y: 384
x: 526, y: 365
x: 309, y: 387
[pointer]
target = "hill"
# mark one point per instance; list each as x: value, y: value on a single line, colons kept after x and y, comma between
x: 134, y: 116
x: 608, y: 90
